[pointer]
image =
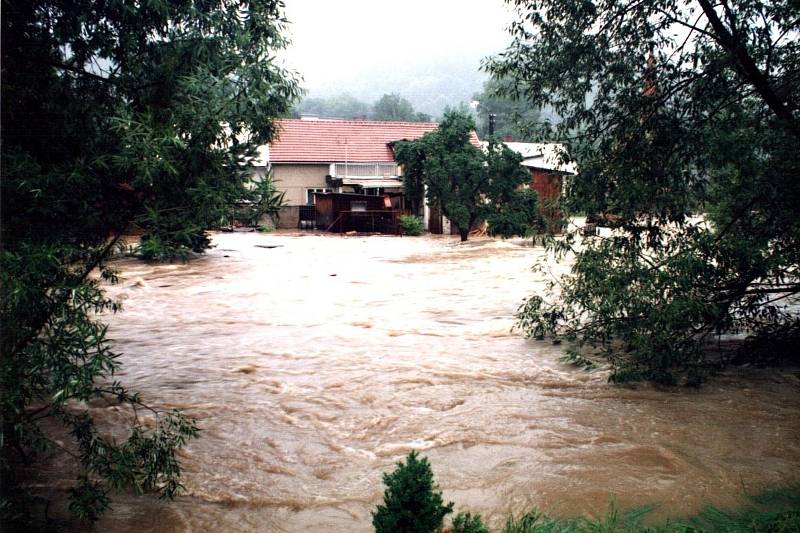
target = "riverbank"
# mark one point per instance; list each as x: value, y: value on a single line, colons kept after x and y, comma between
x: 774, y: 511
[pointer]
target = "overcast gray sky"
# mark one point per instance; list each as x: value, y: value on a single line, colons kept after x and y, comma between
x: 348, y: 45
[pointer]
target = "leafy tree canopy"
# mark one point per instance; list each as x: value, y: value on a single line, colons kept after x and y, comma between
x: 469, y: 184
x: 341, y: 106
x: 115, y: 115
x: 392, y: 107
x: 395, y: 107
x: 671, y: 108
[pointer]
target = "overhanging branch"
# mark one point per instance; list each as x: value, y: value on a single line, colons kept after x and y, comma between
x: 747, y: 67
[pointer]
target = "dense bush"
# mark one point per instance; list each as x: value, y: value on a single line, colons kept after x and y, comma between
x: 411, y: 225
x: 261, y: 200
x: 518, y: 215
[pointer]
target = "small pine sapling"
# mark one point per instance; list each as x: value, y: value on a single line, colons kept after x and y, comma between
x: 412, y: 502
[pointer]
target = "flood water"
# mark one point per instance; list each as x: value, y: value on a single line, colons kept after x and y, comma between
x: 314, y: 363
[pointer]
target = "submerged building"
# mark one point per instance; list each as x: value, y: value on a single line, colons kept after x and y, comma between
x: 312, y: 156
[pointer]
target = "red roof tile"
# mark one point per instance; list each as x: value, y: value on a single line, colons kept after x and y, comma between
x: 331, y: 141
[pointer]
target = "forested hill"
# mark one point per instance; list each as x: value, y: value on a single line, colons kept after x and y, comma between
x: 430, y: 87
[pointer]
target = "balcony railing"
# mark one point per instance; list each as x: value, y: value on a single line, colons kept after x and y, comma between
x: 364, y: 170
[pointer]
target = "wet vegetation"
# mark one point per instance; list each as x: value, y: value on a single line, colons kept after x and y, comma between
x: 116, y: 117
x: 145, y: 116
x: 469, y: 184
x: 411, y: 505
x: 710, y: 520
x: 411, y: 501
x: 411, y: 225
x: 684, y: 120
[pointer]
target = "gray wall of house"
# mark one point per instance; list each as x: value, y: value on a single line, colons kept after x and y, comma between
x: 294, y: 180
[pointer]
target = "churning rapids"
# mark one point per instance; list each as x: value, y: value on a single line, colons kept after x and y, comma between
x: 314, y: 363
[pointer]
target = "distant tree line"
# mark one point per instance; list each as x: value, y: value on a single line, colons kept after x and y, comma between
x: 513, y: 116
x: 388, y: 107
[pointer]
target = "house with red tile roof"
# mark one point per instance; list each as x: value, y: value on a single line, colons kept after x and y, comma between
x: 313, y: 155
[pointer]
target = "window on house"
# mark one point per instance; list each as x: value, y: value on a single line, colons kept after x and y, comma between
x: 358, y: 206
x: 373, y: 191
x: 310, y: 194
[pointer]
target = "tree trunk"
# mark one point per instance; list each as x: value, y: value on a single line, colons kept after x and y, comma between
x: 464, y: 233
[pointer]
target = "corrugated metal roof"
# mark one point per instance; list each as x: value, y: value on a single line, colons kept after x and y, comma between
x: 547, y: 156
x: 330, y: 141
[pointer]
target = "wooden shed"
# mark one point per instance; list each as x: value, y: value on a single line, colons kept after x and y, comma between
x: 548, y: 185
x: 364, y: 213
x: 549, y: 167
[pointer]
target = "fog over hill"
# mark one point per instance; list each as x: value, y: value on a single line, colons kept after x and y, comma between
x: 429, y: 86
x: 428, y: 52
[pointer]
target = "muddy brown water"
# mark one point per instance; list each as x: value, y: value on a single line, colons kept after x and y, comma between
x: 314, y: 365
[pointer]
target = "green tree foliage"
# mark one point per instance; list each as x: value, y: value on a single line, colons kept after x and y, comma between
x: 469, y: 184
x: 411, y: 155
x: 411, y: 502
x: 391, y: 107
x: 614, y: 521
x: 771, y: 512
x: 263, y: 199
x: 513, y: 116
x: 115, y: 114
x: 678, y: 106
x: 340, y: 106
x: 513, y: 208
x: 395, y: 107
x: 518, y: 215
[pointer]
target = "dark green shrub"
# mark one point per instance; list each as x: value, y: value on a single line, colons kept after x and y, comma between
x: 468, y: 523
x: 411, y: 501
x: 180, y: 246
x: 518, y: 215
x: 411, y: 225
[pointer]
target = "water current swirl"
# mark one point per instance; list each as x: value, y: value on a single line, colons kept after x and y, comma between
x: 313, y: 363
